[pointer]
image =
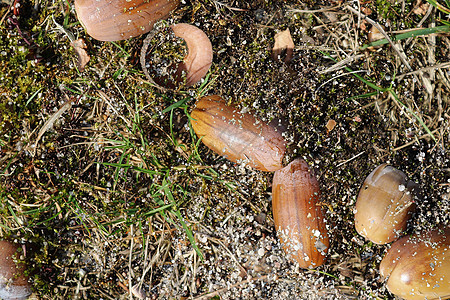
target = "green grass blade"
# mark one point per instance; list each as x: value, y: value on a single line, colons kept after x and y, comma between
x: 415, y: 116
x: 177, y: 212
x: 362, y: 96
x: 175, y: 105
x: 33, y: 96
x: 409, y: 34
x: 439, y: 6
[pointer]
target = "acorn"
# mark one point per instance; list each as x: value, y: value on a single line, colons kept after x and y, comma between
x: 237, y: 135
x: 114, y: 20
x: 298, y: 216
x: 13, y: 281
x: 384, y: 204
x: 418, y: 266
x: 194, y: 66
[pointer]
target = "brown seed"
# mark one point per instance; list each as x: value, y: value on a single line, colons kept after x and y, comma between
x: 384, y: 204
x: 238, y: 136
x: 298, y: 217
x: 114, y: 20
x: 13, y: 282
x: 418, y: 266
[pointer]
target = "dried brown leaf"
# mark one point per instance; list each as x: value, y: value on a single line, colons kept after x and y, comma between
x: 421, y: 9
x: 283, y: 42
x: 82, y: 57
x: 330, y: 125
x: 374, y: 34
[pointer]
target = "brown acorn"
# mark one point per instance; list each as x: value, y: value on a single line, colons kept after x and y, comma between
x: 236, y: 135
x: 114, y: 20
x: 418, y: 266
x: 384, y: 204
x: 298, y: 216
x: 13, y: 282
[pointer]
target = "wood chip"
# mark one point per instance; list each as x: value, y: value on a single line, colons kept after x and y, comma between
x: 283, y: 42
x: 330, y: 125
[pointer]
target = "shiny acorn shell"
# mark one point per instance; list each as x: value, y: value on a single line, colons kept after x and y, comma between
x: 418, y: 266
x: 114, y: 20
x: 299, y: 220
x: 384, y: 204
x: 200, y: 54
x: 236, y: 135
x: 13, y: 282
x: 193, y: 67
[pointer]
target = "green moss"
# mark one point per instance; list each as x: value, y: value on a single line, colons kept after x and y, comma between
x: 392, y: 11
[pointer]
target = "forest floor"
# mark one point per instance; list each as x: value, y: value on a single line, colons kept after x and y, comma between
x: 101, y: 172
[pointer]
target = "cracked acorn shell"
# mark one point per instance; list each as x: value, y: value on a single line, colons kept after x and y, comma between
x: 115, y: 20
x: 195, y: 64
x: 418, y: 266
x: 200, y: 54
x: 236, y: 135
x: 13, y: 282
x: 384, y: 204
x: 298, y: 217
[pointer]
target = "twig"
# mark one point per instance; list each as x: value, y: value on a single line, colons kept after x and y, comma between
x: 61, y: 29
x: 49, y: 123
x: 431, y: 59
x: 218, y: 3
x: 398, y: 49
x: 105, y: 98
x: 143, y: 55
x: 438, y: 66
x: 412, y: 142
x: 430, y: 9
x: 6, y: 14
x: 350, y: 159
x: 333, y: 78
x: 130, y: 260
x: 306, y: 11
x: 341, y: 64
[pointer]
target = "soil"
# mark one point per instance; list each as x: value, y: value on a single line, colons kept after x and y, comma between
x: 101, y: 173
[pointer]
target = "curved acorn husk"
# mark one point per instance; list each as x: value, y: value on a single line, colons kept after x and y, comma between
x: 298, y: 217
x: 193, y: 67
x: 13, y: 282
x: 115, y: 20
x: 200, y: 54
x: 384, y: 204
x: 237, y: 136
x: 418, y: 266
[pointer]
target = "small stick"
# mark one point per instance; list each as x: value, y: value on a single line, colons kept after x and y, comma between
x: 350, y: 159
x: 434, y: 67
